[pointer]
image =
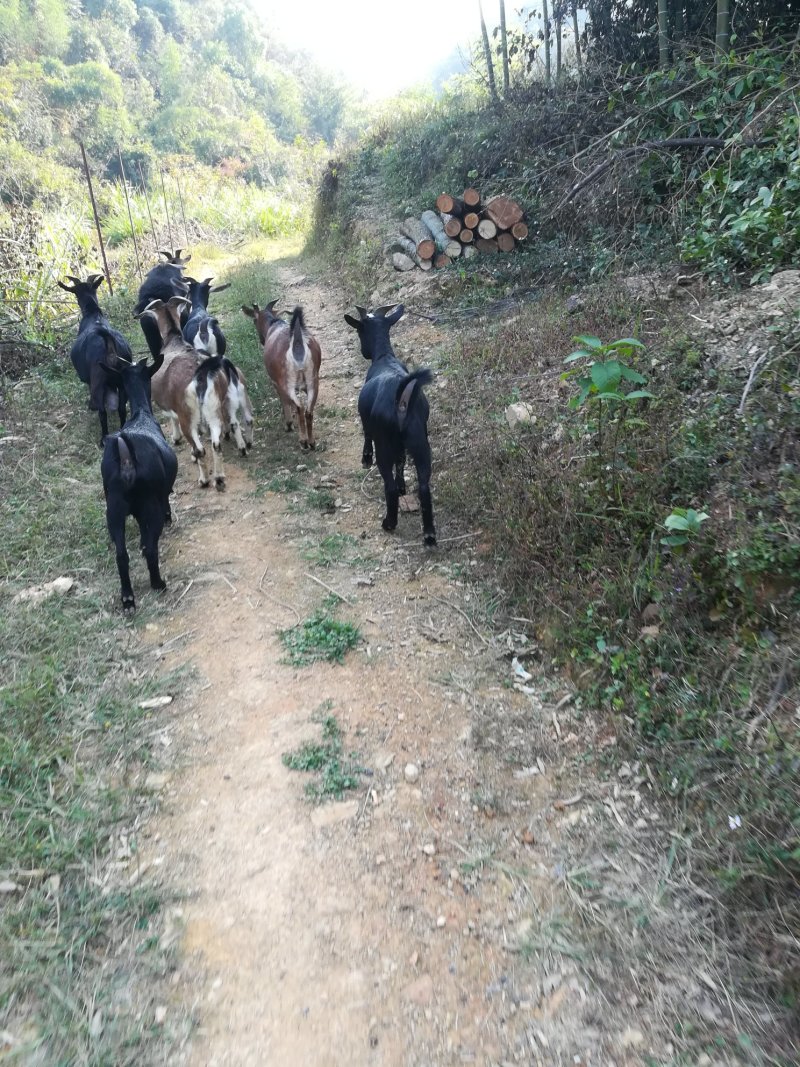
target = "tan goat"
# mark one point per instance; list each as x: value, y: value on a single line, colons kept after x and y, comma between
x: 191, y: 390
x: 292, y: 358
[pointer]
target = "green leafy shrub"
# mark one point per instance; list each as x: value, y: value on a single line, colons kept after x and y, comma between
x: 335, y: 775
x: 320, y: 637
x: 749, y: 212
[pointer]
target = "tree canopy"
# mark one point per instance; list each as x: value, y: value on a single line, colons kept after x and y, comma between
x: 200, y: 78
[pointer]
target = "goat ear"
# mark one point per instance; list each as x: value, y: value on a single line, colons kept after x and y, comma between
x: 250, y: 312
x: 220, y: 288
x: 396, y: 314
x: 355, y: 323
x: 185, y: 258
x: 95, y: 281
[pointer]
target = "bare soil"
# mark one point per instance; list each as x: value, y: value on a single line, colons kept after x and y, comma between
x: 425, y: 922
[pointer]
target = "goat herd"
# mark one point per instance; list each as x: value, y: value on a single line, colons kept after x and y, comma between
x: 203, y: 392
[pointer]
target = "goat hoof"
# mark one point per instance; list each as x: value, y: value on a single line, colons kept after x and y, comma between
x: 249, y: 445
x: 289, y: 427
x: 128, y: 605
x: 242, y: 451
x: 388, y: 527
x: 159, y: 586
x: 204, y: 484
x: 401, y: 488
x: 430, y: 540
x: 228, y: 436
x: 220, y: 484
x: 366, y: 462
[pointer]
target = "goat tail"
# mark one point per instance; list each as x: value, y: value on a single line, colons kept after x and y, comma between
x: 208, y: 369
x: 297, y: 332
x: 127, y: 464
x: 407, y: 388
x: 116, y: 345
x: 231, y: 373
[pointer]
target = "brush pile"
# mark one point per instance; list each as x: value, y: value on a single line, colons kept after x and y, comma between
x: 459, y: 227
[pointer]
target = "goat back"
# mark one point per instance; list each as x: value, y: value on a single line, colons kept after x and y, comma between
x: 170, y: 383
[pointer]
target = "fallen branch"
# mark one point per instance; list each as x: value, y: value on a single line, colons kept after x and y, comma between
x: 330, y: 589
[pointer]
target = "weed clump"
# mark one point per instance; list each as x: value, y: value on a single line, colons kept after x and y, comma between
x: 335, y: 774
x: 320, y: 637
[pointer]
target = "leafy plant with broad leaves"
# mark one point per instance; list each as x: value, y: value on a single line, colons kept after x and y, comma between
x: 685, y: 524
x: 605, y: 378
x: 608, y: 371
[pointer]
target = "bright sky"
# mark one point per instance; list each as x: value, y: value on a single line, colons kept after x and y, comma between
x: 380, y: 46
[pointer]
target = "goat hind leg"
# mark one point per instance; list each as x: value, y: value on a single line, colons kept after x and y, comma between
x: 422, y: 461
x: 116, y: 528
x: 301, y: 425
x: 151, y: 525
x: 191, y: 431
x: 366, y: 455
x: 215, y: 431
x: 400, y: 477
x: 386, y: 467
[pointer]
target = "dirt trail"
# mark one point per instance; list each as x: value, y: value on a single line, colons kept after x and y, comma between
x: 382, y: 929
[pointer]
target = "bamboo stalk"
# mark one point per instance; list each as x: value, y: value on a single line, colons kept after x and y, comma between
x: 183, y: 213
x: 149, y: 212
x: 130, y: 215
x: 96, y: 217
x: 166, y: 210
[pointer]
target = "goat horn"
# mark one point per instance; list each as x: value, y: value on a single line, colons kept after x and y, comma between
x: 72, y: 278
x: 381, y: 311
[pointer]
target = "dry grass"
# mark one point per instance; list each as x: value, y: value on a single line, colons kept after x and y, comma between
x: 709, y: 705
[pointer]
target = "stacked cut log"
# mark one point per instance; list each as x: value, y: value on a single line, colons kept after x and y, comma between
x: 460, y: 226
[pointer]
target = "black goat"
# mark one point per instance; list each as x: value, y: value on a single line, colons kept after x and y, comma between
x: 139, y: 469
x: 163, y: 281
x: 90, y: 349
x: 201, y: 330
x: 394, y: 414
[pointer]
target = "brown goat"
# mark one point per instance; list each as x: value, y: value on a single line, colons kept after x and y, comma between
x: 191, y: 390
x: 292, y: 359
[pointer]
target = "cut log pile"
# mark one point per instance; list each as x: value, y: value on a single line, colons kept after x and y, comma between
x: 464, y: 226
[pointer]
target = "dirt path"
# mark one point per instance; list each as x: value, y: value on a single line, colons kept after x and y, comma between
x: 387, y: 928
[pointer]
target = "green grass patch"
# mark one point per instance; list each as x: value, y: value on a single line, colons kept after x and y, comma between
x: 80, y: 960
x: 333, y: 549
x: 334, y: 774
x: 319, y: 638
